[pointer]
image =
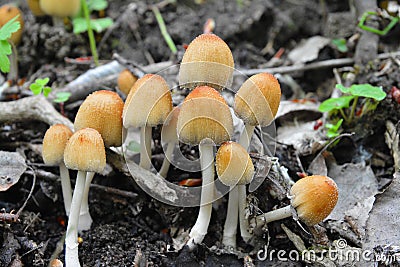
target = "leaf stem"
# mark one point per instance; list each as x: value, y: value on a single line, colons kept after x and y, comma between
x: 343, y: 115
x: 90, y: 33
x: 353, y: 109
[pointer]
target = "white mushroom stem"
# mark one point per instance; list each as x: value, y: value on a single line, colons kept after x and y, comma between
x: 85, y: 220
x: 200, y: 228
x: 274, y: 215
x: 230, y: 227
x: 145, y: 147
x: 65, y: 187
x: 166, y: 163
x: 71, y: 238
x: 244, y: 141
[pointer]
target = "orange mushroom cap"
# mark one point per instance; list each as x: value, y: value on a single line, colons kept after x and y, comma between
x: 54, y: 142
x: 7, y: 12
x: 204, y: 114
x: 102, y: 111
x: 208, y: 61
x: 125, y: 81
x: 314, y: 198
x: 233, y: 164
x: 60, y: 8
x: 257, y: 100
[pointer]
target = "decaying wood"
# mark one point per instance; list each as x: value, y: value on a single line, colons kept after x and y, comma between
x: 32, y: 108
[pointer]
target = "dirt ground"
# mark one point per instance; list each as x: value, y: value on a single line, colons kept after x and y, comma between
x: 136, y: 229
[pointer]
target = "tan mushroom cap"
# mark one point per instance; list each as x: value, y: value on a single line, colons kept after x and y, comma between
x: 148, y: 103
x: 233, y: 164
x: 34, y: 6
x: 7, y: 12
x: 60, y: 8
x: 257, y: 100
x: 314, y: 198
x: 85, y: 151
x: 54, y: 142
x: 169, y: 133
x: 125, y: 81
x: 102, y: 111
x: 204, y: 114
x: 208, y: 61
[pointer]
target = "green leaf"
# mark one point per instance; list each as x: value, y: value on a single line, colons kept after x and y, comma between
x: 133, y: 146
x: 97, y: 5
x: 367, y: 90
x: 340, y: 44
x: 62, y: 97
x: 100, y: 25
x: 335, y: 103
x: 5, y: 50
x: 343, y: 89
x: 79, y: 25
x: 42, y: 82
x: 333, y: 129
x: 10, y: 27
x: 46, y: 91
x: 35, y: 88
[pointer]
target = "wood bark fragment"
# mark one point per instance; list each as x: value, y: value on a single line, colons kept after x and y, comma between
x: 32, y: 108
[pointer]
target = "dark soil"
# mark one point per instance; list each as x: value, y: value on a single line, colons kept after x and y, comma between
x: 139, y: 230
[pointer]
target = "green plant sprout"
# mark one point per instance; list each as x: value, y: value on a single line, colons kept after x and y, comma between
x: 163, y: 29
x: 340, y: 44
x: 40, y: 86
x: 5, y: 47
x: 371, y: 93
x: 367, y: 14
x: 333, y: 129
x: 83, y: 23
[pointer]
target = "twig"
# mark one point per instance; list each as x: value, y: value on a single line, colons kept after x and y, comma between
x: 32, y: 108
x: 330, y: 63
x: 52, y: 177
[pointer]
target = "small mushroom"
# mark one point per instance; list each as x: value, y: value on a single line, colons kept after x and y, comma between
x: 60, y: 9
x: 7, y: 12
x: 234, y: 167
x: 34, y: 6
x: 148, y: 104
x: 170, y: 136
x: 102, y: 111
x: 256, y: 103
x: 313, y: 197
x: 54, y: 142
x: 125, y: 81
x: 204, y: 118
x: 208, y: 61
x: 84, y: 152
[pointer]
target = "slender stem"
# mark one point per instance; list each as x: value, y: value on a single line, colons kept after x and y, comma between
x: 199, y: 230
x: 231, y: 221
x: 13, y: 74
x: 90, y: 33
x: 166, y: 163
x: 274, y: 215
x: 85, y: 220
x: 163, y: 30
x: 145, y: 147
x: 243, y: 222
x: 71, y: 239
x: 353, y: 109
x: 343, y: 115
x: 245, y: 136
x: 65, y: 187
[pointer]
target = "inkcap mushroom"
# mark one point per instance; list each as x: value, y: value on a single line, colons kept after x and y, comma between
x: 7, y: 12
x: 125, y: 81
